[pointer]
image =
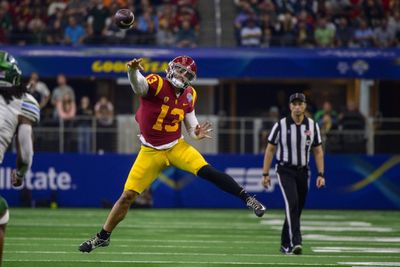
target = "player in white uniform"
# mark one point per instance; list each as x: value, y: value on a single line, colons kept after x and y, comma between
x: 13, y: 115
x: 18, y: 112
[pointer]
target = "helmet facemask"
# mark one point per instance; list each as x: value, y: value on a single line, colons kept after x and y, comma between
x: 179, y: 75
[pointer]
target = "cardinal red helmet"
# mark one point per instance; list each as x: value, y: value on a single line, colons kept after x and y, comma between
x: 181, y: 71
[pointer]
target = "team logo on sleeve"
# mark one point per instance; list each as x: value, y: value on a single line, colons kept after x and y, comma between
x: 189, y: 97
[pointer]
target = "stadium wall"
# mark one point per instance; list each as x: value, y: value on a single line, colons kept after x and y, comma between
x: 72, y: 180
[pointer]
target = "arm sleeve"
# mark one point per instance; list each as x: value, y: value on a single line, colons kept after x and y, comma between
x: 138, y: 82
x: 25, y: 147
x: 190, y: 123
x: 273, y: 136
x: 30, y: 108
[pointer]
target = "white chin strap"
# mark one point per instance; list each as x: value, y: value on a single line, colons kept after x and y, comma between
x: 177, y: 83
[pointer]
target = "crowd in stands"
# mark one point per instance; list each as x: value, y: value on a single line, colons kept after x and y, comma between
x: 259, y: 23
x: 78, y: 22
x: 318, y: 23
x: 78, y: 120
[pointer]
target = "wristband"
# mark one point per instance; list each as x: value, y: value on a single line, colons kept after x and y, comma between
x: 265, y: 174
x: 19, y: 175
x: 321, y: 174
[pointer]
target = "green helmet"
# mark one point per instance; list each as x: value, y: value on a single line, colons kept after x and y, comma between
x: 10, y: 74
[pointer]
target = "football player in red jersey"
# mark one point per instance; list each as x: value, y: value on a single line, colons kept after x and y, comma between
x: 164, y: 104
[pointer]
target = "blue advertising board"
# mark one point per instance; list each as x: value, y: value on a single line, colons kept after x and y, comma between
x: 259, y: 63
x: 353, y: 182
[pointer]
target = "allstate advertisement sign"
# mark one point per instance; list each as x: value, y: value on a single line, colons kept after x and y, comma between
x: 41, y: 180
x: 71, y: 180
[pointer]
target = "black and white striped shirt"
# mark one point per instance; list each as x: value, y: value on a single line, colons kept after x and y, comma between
x: 294, y: 141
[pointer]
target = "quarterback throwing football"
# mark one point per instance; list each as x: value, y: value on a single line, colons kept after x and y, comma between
x: 164, y: 104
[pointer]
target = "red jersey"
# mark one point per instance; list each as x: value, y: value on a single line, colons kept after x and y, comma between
x: 161, y: 112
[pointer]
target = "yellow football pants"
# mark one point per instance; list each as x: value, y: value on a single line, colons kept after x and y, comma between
x: 150, y: 162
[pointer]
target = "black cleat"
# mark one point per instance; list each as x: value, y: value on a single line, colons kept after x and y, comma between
x: 256, y: 206
x: 93, y: 243
x: 297, y: 250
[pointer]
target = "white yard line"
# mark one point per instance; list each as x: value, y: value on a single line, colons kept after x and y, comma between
x: 320, y: 223
x: 8, y: 252
x: 182, y: 262
x: 32, y: 245
x: 325, y: 216
x: 149, y: 225
x: 342, y: 229
x: 265, y: 240
x: 228, y: 236
x: 361, y: 263
x: 355, y: 250
x: 351, y: 238
x: 143, y: 214
x: 135, y: 240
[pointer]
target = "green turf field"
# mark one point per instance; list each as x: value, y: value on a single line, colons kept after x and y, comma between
x: 44, y: 238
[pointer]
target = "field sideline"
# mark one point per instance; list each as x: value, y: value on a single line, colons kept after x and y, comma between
x: 188, y: 237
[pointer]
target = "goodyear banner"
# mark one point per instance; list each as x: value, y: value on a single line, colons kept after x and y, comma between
x: 213, y: 62
x: 70, y: 180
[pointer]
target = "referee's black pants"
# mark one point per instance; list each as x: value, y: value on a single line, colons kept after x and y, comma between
x: 294, y: 184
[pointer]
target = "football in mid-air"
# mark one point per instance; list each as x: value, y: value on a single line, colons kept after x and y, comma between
x: 124, y: 19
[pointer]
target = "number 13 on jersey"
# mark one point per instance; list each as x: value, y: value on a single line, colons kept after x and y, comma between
x: 175, y: 123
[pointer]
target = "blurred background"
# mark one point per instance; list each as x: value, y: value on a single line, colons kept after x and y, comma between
x: 250, y: 54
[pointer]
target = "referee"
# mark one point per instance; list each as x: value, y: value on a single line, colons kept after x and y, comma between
x: 294, y: 136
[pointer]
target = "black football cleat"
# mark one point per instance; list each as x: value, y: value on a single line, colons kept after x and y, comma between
x: 297, y: 250
x: 94, y: 243
x: 256, y: 206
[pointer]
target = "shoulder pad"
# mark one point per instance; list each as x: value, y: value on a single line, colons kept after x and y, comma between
x: 30, y: 108
x: 155, y: 83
